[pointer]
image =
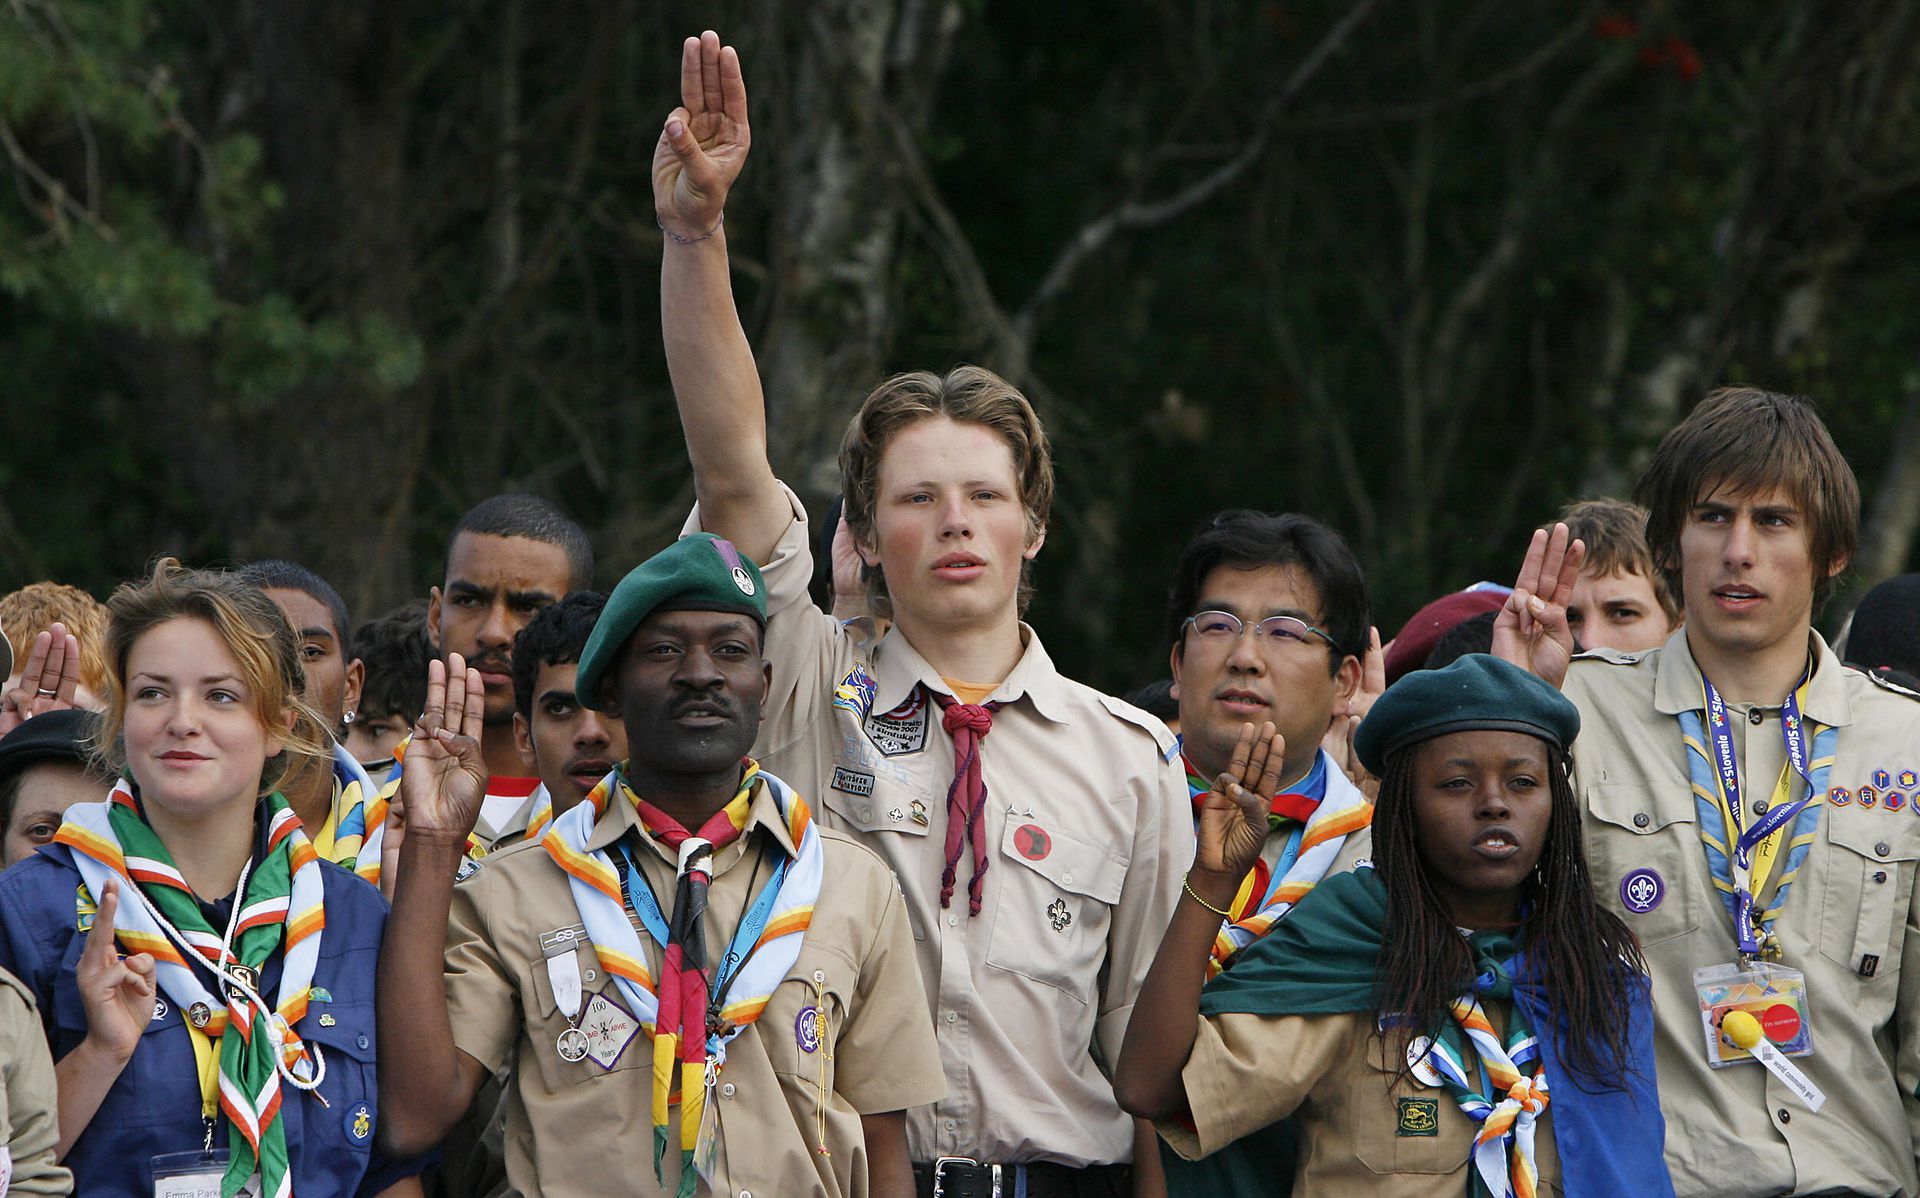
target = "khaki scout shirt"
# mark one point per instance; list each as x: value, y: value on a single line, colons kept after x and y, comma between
x: 1849, y: 923
x: 1031, y: 997
x: 580, y: 1129
x: 1364, y: 1128
x: 29, y: 1123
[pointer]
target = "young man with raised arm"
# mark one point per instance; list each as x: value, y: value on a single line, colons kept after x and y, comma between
x: 1749, y: 812
x: 685, y: 948
x: 1038, y: 827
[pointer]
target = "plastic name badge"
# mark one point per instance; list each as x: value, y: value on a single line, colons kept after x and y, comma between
x: 195, y: 1175
x: 1775, y: 996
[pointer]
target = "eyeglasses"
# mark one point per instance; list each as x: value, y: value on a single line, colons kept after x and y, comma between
x: 1223, y: 628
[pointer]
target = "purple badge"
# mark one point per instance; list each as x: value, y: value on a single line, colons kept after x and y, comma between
x: 1641, y: 891
x: 1882, y: 779
x: 806, y: 1029
x: 1909, y: 780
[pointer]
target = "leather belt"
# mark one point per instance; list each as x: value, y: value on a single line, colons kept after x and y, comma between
x: 965, y: 1177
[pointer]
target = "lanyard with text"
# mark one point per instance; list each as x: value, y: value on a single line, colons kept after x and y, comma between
x: 641, y: 901
x: 1720, y: 801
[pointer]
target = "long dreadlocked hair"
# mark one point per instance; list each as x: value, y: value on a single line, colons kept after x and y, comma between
x: 1583, y: 954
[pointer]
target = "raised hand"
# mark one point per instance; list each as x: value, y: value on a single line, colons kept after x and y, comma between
x: 443, y: 777
x: 49, y: 681
x: 1233, y: 821
x: 1531, y: 631
x: 117, y: 993
x: 704, y: 142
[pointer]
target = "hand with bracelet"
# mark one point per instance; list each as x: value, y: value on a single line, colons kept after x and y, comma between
x: 1232, y: 828
x: 703, y: 144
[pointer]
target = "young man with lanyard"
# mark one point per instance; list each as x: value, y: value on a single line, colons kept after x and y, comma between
x: 509, y: 557
x: 1750, y: 814
x: 1037, y: 826
x: 340, y: 808
x: 1268, y: 619
x: 692, y: 901
x: 568, y: 745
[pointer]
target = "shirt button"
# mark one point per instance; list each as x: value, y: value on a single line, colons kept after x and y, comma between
x: 1881, y: 849
x: 952, y: 1017
x: 952, y: 1126
x: 1756, y: 717
x: 1640, y: 819
x: 1879, y: 875
x: 1759, y: 806
x: 953, y: 921
x: 1785, y: 1115
x: 726, y: 1090
x: 1067, y: 877
x: 361, y: 1040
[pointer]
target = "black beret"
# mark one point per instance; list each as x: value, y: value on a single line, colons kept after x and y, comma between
x: 1478, y: 691
x: 54, y: 736
x: 698, y: 572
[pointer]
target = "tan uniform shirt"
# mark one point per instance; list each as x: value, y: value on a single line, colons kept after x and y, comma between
x: 1031, y: 997
x: 29, y: 1124
x: 1848, y: 923
x: 1363, y: 1128
x: 580, y: 1129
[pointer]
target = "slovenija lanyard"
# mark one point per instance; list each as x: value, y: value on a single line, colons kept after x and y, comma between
x: 1743, y: 858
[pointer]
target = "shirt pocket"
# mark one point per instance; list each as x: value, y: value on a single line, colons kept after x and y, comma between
x: 1637, y: 846
x: 349, y: 1119
x: 545, y: 1025
x: 798, y: 1042
x: 156, y: 1079
x: 1869, y: 865
x: 1056, y: 891
x: 1374, y: 1115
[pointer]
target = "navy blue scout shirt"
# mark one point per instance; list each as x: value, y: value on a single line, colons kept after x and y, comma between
x: 154, y: 1107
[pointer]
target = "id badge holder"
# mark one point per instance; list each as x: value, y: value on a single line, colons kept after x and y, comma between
x: 195, y: 1175
x: 1773, y: 995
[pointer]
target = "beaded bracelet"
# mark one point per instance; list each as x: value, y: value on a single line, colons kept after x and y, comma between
x: 679, y: 240
x: 1187, y: 885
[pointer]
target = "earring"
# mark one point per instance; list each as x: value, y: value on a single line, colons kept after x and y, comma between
x: 348, y: 718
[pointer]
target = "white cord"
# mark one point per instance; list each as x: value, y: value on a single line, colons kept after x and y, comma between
x: 275, y: 1037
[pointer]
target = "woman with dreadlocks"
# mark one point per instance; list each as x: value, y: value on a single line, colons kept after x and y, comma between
x: 1458, y: 1017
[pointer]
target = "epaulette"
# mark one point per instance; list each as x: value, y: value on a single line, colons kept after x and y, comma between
x: 1887, y: 684
x: 1162, y: 736
x: 1612, y: 657
x: 9, y: 982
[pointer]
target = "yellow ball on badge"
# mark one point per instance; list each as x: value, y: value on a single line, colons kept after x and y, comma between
x: 1741, y: 1029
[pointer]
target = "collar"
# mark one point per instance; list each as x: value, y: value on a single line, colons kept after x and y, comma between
x: 898, y: 668
x: 1676, y: 685
x: 620, y: 817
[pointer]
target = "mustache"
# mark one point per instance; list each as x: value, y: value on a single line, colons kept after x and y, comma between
x: 708, y: 699
x: 493, y: 663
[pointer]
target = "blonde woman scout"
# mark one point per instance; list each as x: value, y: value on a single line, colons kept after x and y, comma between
x: 1458, y: 1019
x: 686, y: 950
x: 340, y: 807
x: 1037, y: 826
x: 232, y: 1049
x: 1749, y: 806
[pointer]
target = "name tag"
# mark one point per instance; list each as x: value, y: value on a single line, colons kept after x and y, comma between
x: 195, y: 1175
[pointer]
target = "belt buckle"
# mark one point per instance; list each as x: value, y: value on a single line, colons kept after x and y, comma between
x: 940, y: 1169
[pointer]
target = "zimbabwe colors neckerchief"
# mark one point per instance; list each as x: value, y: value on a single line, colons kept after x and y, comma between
x: 1743, y: 843
x: 1261, y: 900
x: 783, y: 911
x: 281, y: 914
x: 361, y: 814
x: 1508, y: 1106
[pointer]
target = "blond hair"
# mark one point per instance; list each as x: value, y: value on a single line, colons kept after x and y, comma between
x: 34, y: 608
x: 967, y: 395
x: 248, y: 623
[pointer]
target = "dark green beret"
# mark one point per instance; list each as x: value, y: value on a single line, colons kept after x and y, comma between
x: 698, y: 572
x: 1478, y: 691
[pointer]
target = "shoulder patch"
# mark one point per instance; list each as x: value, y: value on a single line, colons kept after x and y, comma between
x: 1124, y: 710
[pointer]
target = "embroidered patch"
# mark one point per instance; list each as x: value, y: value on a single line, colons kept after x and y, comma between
x: 1909, y: 779
x: 1882, y: 779
x: 1059, y: 916
x: 1419, y: 1117
x: 806, y: 1029
x: 852, y: 781
x: 609, y: 1030
x: 1894, y: 800
x: 1032, y: 841
x: 855, y: 691
x: 902, y: 730
x: 1641, y: 891
x: 1839, y: 796
x: 1869, y: 797
x: 359, y: 1123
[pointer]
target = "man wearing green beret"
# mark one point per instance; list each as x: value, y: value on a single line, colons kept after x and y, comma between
x: 1749, y: 811
x: 686, y: 949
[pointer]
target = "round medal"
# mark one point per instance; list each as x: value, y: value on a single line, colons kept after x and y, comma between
x: 199, y: 1015
x: 1420, y: 1061
x: 572, y: 1045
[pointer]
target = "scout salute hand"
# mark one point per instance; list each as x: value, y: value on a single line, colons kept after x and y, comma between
x: 704, y: 142
x: 444, y: 777
x: 1232, y: 827
x: 48, y: 682
x: 118, y: 995
x: 1531, y: 631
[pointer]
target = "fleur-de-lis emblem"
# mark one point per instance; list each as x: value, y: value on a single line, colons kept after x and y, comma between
x: 1059, y: 916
